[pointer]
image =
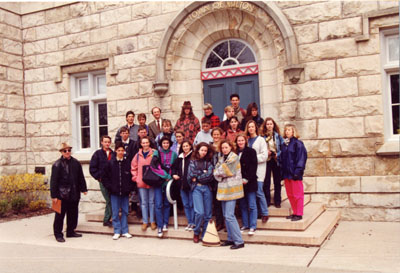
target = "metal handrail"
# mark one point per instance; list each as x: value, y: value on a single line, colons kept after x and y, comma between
x: 173, y: 202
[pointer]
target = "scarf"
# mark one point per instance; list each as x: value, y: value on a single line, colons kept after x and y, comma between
x: 229, y: 165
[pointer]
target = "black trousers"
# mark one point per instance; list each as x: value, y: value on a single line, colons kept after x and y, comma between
x: 217, y: 210
x: 71, y: 209
x: 272, y: 166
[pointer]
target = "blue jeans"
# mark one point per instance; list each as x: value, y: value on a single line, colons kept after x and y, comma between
x: 117, y: 203
x: 147, y: 204
x: 232, y: 226
x: 162, y: 207
x: 202, y: 204
x: 187, y: 200
x: 248, y: 205
x: 261, y: 199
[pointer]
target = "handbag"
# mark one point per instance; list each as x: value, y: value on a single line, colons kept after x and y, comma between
x: 150, y: 178
x: 65, y: 192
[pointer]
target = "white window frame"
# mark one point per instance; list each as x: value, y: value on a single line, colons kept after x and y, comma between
x: 92, y: 99
x: 211, y: 49
x: 391, y: 145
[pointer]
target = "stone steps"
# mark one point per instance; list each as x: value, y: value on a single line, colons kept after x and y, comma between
x: 314, y: 235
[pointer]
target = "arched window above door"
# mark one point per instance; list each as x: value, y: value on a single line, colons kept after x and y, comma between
x: 229, y: 52
x: 229, y: 58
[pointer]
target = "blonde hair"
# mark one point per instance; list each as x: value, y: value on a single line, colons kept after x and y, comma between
x: 228, y: 108
x: 295, y: 132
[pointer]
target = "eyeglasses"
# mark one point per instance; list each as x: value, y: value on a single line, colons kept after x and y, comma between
x: 66, y: 151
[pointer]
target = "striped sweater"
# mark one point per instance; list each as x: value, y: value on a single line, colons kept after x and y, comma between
x: 229, y: 176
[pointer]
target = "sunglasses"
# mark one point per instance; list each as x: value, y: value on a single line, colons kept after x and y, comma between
x: 66, y: 151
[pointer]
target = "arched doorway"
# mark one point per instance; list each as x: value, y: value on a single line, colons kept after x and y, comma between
x: 229, y: 67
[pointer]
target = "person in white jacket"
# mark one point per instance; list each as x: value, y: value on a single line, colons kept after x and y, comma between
x: 260, y: 146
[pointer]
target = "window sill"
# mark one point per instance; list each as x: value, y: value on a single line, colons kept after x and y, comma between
x: 390, y: 147
x: 83, y: 157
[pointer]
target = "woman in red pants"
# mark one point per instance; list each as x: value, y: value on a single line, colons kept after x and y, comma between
x: 293, y: 163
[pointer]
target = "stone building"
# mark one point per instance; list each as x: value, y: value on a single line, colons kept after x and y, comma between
x: 69, y: 71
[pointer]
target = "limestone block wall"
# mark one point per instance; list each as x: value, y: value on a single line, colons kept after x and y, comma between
x: 337, y: 104
x: 338, y: 107
x: 12, y: 103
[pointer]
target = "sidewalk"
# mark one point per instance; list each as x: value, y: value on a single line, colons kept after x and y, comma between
x: 353, y: 247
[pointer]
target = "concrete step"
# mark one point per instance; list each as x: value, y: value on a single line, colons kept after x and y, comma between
x: 284, y: 211
x: 313, y: 236
x: 311, y: 212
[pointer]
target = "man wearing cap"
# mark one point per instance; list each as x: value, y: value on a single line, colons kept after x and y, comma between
x: 208, y: 113
x: 66, y: 184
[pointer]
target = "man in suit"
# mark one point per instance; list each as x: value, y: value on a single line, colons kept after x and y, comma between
x: 155, y: 125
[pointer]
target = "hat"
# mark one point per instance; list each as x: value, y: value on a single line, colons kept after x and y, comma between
x: 207, y: 106
x: 187, y: 104
x: 165, y: 138
x: 64, y: 146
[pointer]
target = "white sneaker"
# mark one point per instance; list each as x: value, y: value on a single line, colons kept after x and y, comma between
x: 187, y: 227
x: 242, y: 229
x: 165, y: 228
x: 251, y: 231
x: 159, y: 233
x: 127, y: 235
x: 116, y: 236
x: 191, y: 227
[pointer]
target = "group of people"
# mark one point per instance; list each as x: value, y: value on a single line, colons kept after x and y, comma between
x: 212, y: 165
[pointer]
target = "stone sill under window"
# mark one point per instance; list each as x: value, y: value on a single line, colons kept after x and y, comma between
x: 390, y: 147
x: 83, y: 157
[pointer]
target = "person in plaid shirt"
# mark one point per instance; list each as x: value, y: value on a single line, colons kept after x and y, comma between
x: 208, y: 113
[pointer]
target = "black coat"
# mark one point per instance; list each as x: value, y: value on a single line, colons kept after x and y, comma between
x: 130, y: 150
x: 73, y: 179
x: 182, y: 172
x: 118, y: 178
x: 248, y: 164
x: 98, y: 163
x: 293, y: 159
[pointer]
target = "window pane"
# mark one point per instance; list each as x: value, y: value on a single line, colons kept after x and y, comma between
x: 101, y: 85
x: 85, y: 137
x: 84, y: 112
x: 222, y: 50
x: 213, y: 61
x: 246, y: 57
x: 236, y: 47
x: 394, y: 87
x: 395, y: 117
x: 103, y: 130
x: 83, y: 87
x: 102, y: 114
x: 393, y: 48
x: 230, y: 62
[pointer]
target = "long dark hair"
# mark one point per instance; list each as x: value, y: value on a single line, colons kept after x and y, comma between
x: 186, y: 105
x: 209, y: 155
x: 250, y: 107
x: 263, y: 129
x: 238, y: 126
x: 183, y: 142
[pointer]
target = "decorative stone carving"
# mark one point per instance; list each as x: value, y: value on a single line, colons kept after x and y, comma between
x: 293, y: 73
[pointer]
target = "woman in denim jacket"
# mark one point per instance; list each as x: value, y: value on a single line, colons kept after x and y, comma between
x: 200, y: 176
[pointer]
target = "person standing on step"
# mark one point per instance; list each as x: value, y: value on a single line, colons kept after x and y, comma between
x: 260, y: 146
x: 131, y: 126
x: 270, y: 131
x: 161, y: 164
x: 142, y: 158
x: 98, y: 162
x: 251, y: 114
x: 230, y: 188
x: 208, y: 113
x: 217, y: 135
x: 293, y: 164
x: 239, y: 112
x: 248, y: 165
x: 188, y: 122
x: 118, y: 180
x: 66, y: 184
x: 200, y: 175
x: 155, y: 125
x: 180, y: 175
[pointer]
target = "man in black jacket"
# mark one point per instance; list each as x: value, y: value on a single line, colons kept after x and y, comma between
x: 66, y: 184
x: 98, y: 162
